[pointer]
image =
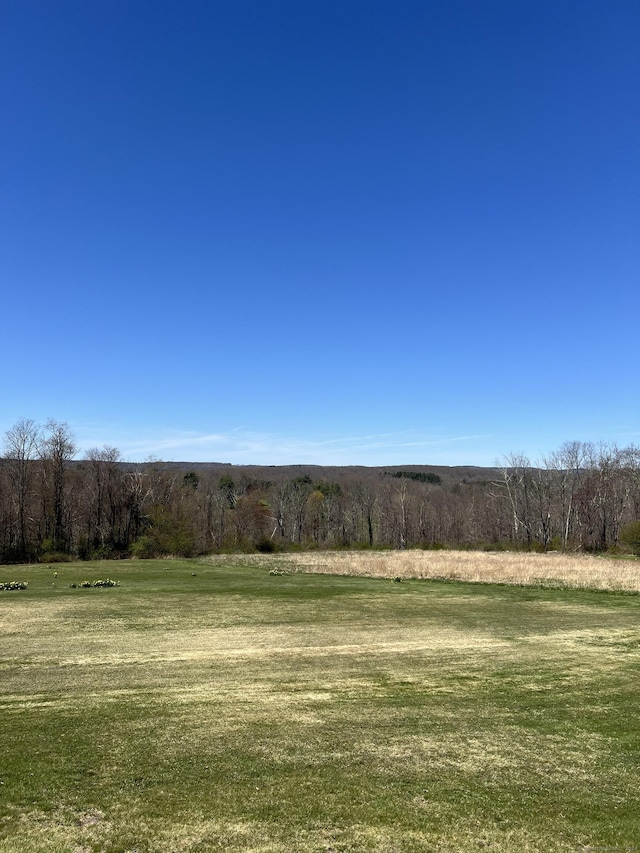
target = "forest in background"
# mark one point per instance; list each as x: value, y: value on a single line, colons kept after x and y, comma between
x: 55, y: 506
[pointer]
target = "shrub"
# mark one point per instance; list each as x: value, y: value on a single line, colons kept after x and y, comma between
x: 434, y: 546
x: 55, y: 557
x: 143, y: 548
x: 266, y: 546
x: 164, y: 535
x: 13, y: 585
x: 493, y: 546
x: 100, y: 552
x: 630, y: 536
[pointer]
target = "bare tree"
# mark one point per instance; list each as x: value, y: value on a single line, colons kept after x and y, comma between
x: 57, y: 449
x: 403, y: 500
x: 517, y: 484
x: 21, y: 445
x: 570, y: 466
x: 366, y: 505
x: 103, y: 497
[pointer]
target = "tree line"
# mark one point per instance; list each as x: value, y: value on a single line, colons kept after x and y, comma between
x: 55, y: 506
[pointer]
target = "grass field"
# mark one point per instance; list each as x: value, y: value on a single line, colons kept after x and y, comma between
x: 579, y: 571
x: 211, y: 706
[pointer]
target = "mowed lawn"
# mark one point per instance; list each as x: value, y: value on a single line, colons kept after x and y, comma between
x: 215, y: 707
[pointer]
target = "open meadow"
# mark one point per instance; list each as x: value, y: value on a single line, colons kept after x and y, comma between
x: 579, y: 571
x: 260, y: 703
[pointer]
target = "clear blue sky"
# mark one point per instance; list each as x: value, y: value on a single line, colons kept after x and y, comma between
x: 341, y: 232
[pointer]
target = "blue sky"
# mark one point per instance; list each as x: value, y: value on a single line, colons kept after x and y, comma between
x: 354, y: 232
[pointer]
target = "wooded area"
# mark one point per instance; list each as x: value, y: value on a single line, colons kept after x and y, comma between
x: 54, y: 506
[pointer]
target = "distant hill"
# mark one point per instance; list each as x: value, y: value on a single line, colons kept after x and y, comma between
x: 449, y: 474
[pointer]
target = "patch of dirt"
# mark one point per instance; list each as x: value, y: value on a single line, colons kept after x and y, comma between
x: 91, y: 818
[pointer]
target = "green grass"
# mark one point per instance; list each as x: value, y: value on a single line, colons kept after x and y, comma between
x: 236, y: 711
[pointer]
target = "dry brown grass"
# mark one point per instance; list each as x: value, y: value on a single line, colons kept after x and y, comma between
x: 556, y: 569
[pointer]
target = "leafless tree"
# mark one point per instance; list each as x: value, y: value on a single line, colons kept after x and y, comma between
x: 57, y: 449
x: 21, y: 444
